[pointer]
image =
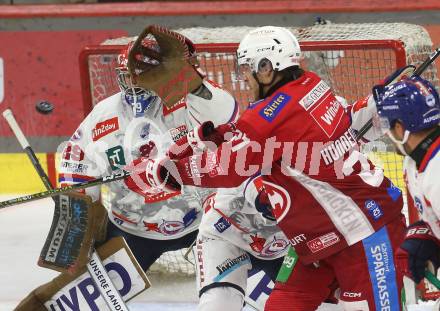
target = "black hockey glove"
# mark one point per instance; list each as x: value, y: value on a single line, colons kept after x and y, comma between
x: 419, y: 247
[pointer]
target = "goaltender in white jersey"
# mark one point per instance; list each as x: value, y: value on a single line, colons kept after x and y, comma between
x: 111, y: 137
x: 135, y: 123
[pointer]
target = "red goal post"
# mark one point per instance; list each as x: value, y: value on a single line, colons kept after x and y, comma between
x: 351, y: 58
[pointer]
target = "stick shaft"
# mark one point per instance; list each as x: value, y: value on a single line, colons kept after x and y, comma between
x: 9, y: 116
x: 55, y: 191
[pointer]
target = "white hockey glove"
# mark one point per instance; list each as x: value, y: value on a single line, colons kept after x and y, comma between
x: 199, y: 139
x: 155, y: 179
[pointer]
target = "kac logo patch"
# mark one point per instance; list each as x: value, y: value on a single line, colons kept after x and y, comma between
x: 275, y: 105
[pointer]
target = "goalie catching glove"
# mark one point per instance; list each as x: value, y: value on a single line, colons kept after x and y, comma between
x: 171, y: 71
x: 418, y: 248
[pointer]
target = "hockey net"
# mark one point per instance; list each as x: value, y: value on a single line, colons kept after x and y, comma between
x: 351, y: 58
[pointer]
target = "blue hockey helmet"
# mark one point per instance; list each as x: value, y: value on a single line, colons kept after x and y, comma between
x: 413, y: 101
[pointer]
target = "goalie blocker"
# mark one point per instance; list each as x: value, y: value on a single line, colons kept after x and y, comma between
x: 77, y: 224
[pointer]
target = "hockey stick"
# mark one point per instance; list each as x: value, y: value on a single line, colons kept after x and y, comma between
x: 419, y: 70
x: 7, y: 114
x: 55, y: 191
x: 111, y: 302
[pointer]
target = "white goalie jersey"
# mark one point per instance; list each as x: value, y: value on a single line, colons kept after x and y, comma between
x: 110, y: 137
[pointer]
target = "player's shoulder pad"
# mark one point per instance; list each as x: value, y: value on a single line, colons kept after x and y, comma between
x: 108, y: 106
x: 105, y: 114
x: 211, y: 103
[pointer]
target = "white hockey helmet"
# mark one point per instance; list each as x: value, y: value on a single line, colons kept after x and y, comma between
x: 278, y: 45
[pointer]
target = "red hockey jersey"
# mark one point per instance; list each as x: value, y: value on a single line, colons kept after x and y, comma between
x: 325, y: 194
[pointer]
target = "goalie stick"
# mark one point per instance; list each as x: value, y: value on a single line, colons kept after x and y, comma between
x: 66, y: 189
x: 111, y: 302
x: 419, y: 70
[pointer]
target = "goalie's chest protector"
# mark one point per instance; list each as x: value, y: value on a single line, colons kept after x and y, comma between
x: 423, y: 186
x: 326, y: 195
x: 111, y: 138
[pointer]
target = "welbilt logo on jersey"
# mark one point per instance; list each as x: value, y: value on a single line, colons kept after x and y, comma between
x: 328, y: 114
x: 104, y: 128
x: 327, y: 111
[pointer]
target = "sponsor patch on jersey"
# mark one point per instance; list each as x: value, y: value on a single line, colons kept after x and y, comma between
x: 394, y: 192
x: 104, y: 128
x: 373, y: 209
x: 230, y: 265
x: 328, y: 113
x: 323, y: 242
x: 73, y: 167
x: 274, y: 106
x: 116, y: 157
x: 222, y: 224
x: 178, y: 132
x: 380, y: 260
x: 315, y: 95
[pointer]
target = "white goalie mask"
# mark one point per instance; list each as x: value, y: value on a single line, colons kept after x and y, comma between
x: 269, y: 43
x: 139, y: 99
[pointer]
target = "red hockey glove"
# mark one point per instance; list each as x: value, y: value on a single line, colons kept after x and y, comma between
x: 153, y: 179
x: 202, y: 137
x: 399, y: 74
x: 419, y: 247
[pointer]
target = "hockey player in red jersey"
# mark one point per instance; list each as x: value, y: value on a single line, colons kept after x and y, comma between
x: 342, y: 215
x: 409, y: 112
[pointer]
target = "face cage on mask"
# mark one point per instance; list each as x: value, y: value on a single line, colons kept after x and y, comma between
x: 138, y: 98
x: 384, y: 126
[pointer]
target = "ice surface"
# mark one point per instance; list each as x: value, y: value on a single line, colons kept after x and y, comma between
x: 23, y: 229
